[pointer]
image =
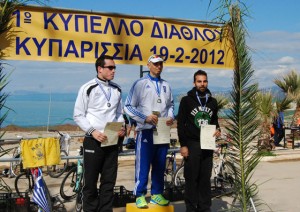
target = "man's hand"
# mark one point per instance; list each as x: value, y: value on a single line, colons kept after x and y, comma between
x: 217, y: 133
x: 122, y: 132
x: 184, y: 151
x: 152, y: 119
x: 99, y: 136
x: 169, y: 122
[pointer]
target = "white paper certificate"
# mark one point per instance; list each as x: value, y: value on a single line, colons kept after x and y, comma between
x: 162, y: 134
x: 111, y: 131
x: 207, y: 140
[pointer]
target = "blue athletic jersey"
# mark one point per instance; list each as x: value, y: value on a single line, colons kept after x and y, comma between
x: 147, y: 95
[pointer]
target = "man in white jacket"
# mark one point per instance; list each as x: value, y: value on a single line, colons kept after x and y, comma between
x: 98, y: 102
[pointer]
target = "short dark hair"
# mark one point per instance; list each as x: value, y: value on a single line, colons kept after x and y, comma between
x: 100, y: 61
x: 199, y: 72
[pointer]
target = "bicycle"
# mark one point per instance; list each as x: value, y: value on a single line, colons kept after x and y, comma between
x: 4, y: 188
x: 24, y: 183
x: 32, y: 183
x: 172, y: 166
x: 15, y: 165
x: 223, y: 181
x: 172, y: 189
x: 7, y: 194
x: 71, y: 185
x: 56, y: 171
x: 178, y: 179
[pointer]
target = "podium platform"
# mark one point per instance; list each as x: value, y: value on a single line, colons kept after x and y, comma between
x: 131, y: 207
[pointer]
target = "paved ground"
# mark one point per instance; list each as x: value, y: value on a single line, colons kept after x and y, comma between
x: 277, y: 177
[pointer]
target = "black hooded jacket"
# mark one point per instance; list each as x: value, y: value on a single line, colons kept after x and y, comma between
x: 191, y: 115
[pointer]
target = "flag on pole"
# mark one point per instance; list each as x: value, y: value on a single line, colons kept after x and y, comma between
x: 39, y: 192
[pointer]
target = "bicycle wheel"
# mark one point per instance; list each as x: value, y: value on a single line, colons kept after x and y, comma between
x: 57, y: 170
x: 78, y: 204
x: 167, y: 180
x: 168, y: 171
x: 67, y: 187
x: 24, y: 183
x: 179, y: 180
x: 223, y: 181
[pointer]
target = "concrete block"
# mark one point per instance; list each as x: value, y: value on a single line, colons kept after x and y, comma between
x: 131, y: 207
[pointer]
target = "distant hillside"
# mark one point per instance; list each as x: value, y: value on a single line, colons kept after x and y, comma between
x: 37, y: 96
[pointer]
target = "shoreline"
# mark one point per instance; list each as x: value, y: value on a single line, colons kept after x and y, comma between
x: 62, y: 127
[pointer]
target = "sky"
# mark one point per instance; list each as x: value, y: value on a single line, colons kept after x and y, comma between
x: 274, y: 40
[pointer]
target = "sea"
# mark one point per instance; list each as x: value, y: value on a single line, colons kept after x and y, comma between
x: 42, y: 109
x: 31, y: 110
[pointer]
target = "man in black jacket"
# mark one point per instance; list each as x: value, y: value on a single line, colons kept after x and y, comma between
x: 196, y: 109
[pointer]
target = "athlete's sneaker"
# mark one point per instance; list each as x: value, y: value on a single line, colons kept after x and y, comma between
x: 141, y: 202
x: 159, y: 199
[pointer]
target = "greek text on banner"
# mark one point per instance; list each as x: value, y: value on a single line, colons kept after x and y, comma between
x: 49, y: 34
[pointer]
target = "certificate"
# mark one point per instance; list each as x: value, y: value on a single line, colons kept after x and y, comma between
x: 207, y: 140
x: 111, y: 131
x: 162, y: 134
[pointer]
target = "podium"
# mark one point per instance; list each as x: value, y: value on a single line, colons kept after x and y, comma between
x: 131, y: 207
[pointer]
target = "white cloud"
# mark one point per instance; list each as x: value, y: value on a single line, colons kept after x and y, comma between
x: 275, y: 54
x: 286, y: 60
x: 275, y: 41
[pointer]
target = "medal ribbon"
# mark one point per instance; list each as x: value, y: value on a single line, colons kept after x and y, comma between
x: 107, y: 95
x: 206, y: 99
x: 157, y: 88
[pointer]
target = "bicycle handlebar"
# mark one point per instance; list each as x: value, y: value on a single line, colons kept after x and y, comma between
x: 52, y: 130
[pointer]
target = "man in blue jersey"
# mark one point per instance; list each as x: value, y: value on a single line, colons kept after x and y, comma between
x: 98, y: 102
x: 150, y: 98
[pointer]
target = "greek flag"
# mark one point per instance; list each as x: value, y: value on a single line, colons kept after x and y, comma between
x: 39, y: 192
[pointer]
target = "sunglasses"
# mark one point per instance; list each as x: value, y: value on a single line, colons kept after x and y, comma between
x: 110, y: 67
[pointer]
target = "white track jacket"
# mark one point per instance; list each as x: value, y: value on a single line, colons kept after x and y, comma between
x: 92, y: 109
x: 143, y: 97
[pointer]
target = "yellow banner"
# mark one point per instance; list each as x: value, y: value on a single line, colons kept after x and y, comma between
x: 49, y: 34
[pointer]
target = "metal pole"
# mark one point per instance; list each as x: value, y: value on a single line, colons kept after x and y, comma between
x: 252, y: 203
x: 141, y: 71
x: 49, y: 111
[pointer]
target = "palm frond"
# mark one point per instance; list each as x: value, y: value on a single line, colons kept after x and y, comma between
x: 8, y: 7
x: 290, y: 85
x: 3, y: 96
x: 263, y: 102
x: 284, y: 104
x: 243, y: 124
x: 222, y: 101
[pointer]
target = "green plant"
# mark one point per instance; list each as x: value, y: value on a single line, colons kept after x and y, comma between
x: 222, y: 101
x: 3, y: 96
x: 267, y: 153
x: 290, y: 85
x: 242, y: 120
